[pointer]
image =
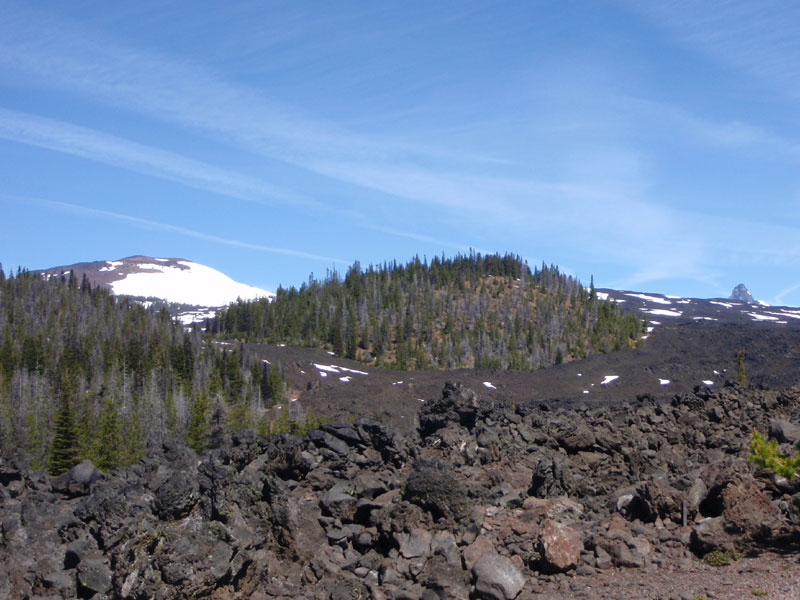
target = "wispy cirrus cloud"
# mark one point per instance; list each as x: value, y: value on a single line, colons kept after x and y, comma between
x: 101, y: 147
x: 757, y: 37
x: 168, y: 227
x: 595, y: 196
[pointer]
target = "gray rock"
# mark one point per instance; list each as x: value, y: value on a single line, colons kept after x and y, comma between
x: 602, y: 559
x: 323, y: 439
x: 78, y: 480
x: 496, y: 577
x: 785, y: 432
x: 95, y: 575
x: 337, y: 503
x: 415, y: 544
x: 444, y: 544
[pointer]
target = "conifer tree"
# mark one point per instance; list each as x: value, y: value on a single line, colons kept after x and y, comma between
x: 275, y: 383
x: 134, y: 445
x: 64, y: 453
x: 198, y: 429
x: 108, y: 451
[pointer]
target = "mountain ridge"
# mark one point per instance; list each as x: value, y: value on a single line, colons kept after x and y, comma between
x: 173, y: 280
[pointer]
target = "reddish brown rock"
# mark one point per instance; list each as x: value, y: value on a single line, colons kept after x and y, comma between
x: 561, y: 546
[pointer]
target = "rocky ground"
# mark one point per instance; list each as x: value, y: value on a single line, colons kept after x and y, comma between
x: 679, y: 354
x: 478, y: 498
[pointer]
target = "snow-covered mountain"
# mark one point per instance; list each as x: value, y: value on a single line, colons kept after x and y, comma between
x: 173, y: 280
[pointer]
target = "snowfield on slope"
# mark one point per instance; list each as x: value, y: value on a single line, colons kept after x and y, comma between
x: 193, y: 284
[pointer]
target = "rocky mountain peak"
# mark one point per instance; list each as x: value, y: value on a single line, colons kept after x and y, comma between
x: 742, y: 294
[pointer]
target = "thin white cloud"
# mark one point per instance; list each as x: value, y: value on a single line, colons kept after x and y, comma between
x: 781, y: 296
x: 60, y: 55
x: 759, y: 38
x: 148, y: 224
x: 97, y: 146
x: 600, y: 209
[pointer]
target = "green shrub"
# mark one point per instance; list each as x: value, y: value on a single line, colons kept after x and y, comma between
x: 719, y: 558
x: 764, y: 453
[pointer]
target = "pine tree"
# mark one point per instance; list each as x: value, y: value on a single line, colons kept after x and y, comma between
x: 275, y: 384
x: 108, y: 451
x: 134, y: 445
x: 198, y: 429
x: 741, y: 376
x: 64, y: 453
x: 351, y: 351
x: 171, y: 413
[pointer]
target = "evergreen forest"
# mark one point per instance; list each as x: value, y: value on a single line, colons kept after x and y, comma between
x: 84, y: 374
x: 487, y: 311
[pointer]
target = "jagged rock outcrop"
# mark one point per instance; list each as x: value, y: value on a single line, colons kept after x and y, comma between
x: 741, y: 294
x: 483, y: 501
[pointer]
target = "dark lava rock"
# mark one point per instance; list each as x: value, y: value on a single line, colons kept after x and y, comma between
x: 78, y: 480
x: 785, y: 432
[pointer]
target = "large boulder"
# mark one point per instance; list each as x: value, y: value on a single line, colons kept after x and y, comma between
x: 656, y: 499
x: 561, y: 546
x: 785, y: 432
x: 737, y: 510
x: 434, y: 486
x: 78, y: 480
x: 496, y: 577
x: 338, y: 503
x: 458, y: 405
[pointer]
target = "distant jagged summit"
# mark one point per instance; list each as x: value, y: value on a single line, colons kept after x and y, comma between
x: 741, y: 294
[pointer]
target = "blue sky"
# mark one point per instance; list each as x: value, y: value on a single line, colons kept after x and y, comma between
x: 653, y: 145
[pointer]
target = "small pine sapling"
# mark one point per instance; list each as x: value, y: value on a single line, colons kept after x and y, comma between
x: 764, y: 453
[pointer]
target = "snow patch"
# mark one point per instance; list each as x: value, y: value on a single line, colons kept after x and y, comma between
x: 708, y: 382
x: 663, y: 381
x: 705, y: 319
x: 759, y: 317
x: 337, y: 370
x: 786, y: 313
x: 187, y: 283
x: 664, y: 312
x: 489, y: 385
x: 608, y: 379
x: 194, y: 316
x: 345, y: 379
x: 353, y: 371
x: 656, y: 299
x: 725, y: 304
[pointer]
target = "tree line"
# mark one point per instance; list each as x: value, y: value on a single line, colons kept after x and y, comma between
x: 473, y: 310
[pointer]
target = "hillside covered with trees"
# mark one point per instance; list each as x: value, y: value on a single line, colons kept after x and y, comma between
x: 84, y: 374
x: 478, y: 311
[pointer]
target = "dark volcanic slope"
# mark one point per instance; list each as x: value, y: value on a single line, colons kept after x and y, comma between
x: 659, y: 308
x: 676, y: 357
